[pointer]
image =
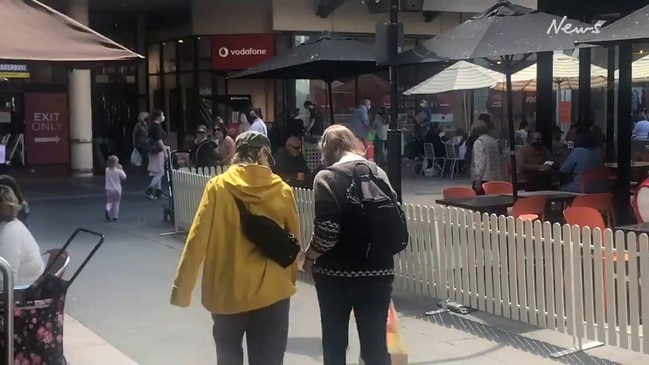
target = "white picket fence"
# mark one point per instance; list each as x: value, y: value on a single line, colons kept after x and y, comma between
x: 571, y: 280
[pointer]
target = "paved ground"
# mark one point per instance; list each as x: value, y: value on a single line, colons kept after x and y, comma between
x: 122, y: 296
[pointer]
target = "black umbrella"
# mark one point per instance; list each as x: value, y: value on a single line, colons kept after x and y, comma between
x: 328, y: 58
x: 502, y: 31
x: 633, y: 27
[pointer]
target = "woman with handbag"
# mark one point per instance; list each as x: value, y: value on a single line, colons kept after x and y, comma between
x: 156, y: 146
x: 244, y: 235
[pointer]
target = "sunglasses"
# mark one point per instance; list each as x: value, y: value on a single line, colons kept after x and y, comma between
x: 217, y: 129
x: 296, y: 147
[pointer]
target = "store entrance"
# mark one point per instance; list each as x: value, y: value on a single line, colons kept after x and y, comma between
x: 115, y: 110
x: 12, y: 125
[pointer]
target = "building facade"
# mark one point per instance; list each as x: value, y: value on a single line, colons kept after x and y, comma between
x: 192, y: 46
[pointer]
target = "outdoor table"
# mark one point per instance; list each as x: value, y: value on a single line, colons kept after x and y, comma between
x: 551, y: 195
x: 492, y: 204
x: 636, y: 228
x: 634, y: 164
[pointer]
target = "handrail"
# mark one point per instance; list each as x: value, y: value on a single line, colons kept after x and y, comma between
x: 8, y: 288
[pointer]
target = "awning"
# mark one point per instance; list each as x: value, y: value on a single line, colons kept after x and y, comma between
x: 470, y: 6
x: 32, y: 31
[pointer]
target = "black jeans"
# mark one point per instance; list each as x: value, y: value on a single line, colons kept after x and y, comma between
x: 266, y: 331
x: 369, y: 299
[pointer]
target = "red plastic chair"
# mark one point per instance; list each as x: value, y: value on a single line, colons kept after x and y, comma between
x: 603, y: 203
x: 497, y: 188
x: 530, y: 206
x: 458, y: 193
x: 584, y: 217
x: 594, y: 175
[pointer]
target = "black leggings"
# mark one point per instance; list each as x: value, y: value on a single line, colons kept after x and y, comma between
x: 369, y: 299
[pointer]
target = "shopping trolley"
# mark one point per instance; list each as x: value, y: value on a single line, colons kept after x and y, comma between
x: 34, y: 333
x: 173, y: 160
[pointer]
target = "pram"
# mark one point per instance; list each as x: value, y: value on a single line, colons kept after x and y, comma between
x: 173, y: 160
x: 39, y: 312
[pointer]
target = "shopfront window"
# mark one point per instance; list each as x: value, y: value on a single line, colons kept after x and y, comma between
x: 169, y: 57
x: 348, y: 93
x: 153, y: 57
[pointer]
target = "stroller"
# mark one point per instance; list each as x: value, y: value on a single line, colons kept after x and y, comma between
x: 39, y: 311
x: 173, y: 160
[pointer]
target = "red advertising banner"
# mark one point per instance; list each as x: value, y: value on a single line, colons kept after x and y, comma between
x: 47, y: 129
x: 239, y: 52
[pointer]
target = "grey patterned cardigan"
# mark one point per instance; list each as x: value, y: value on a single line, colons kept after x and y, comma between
x: 333, y: 228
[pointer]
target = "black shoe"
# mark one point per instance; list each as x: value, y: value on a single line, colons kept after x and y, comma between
x: 114, y: 219
x: 149, y: 193
x: 107, y: 216
x: 160, y: 195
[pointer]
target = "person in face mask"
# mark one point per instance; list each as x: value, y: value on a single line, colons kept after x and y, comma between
x: 531, y: 163
x: 359, y: 123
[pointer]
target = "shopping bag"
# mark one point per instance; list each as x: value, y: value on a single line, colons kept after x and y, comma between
x: 396, y: 346
x: 136, y: 158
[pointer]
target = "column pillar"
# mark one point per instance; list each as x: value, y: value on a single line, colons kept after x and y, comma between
x: 79, y: 95
x: 142, y: 68
x: 545, y: 108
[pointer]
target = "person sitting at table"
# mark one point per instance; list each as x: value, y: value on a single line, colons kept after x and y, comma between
x: 641, y: 128
x: 531, y: 163
x: 583, y: 157
x: 640, y: 202
x: 560, y: 150
x: 290, y: 164
x: 486, y: 164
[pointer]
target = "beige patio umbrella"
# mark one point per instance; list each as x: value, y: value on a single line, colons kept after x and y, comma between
x: 461, y: 76
x: 639, y: 70
x: 565, y: 74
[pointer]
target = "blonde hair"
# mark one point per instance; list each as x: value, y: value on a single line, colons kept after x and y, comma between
x: 9, y: 205
x: 338, y: 140
x: 112, y: 161
x: 253, y: 156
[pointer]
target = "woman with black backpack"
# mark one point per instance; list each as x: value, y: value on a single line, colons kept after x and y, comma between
x: 351, y: 253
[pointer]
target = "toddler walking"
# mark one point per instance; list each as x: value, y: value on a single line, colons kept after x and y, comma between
x: 114, y: 176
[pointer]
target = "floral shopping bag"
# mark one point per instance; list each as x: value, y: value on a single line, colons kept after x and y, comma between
x: 396, y: 346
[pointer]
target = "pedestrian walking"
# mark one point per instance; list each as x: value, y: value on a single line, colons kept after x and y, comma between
x: 140, y: 137
x: 114, y: 176
x: 247, y: 281
x: 156, y: 148
x: 352, y: 249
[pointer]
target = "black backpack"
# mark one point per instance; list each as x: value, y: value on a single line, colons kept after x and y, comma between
x: 380, y: 225
x: 274, y: 242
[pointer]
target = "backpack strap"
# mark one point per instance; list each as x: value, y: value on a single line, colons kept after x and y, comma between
x: 243, y: 211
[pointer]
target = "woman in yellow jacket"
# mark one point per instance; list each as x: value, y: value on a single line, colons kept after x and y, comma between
x: 246, y: 292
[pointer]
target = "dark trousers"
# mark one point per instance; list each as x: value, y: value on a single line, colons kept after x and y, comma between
x: 369, y: 299
x: 266, y: 331
x: 380, y: 156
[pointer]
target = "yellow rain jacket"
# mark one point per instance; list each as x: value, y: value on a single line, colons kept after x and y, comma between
x: 237, y: 277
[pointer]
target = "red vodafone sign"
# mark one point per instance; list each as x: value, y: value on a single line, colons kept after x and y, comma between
x: 239, y: 52
x: 47, y: 128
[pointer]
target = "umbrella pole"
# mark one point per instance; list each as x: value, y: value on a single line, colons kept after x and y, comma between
x: 507, y: 60
x: 330, y: 96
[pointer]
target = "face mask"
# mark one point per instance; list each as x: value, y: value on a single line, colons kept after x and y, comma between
x: 369, y: 107
x: 162, y: 119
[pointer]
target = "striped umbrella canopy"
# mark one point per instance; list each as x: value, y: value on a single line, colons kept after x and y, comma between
x: 639, y: 70
x: 460, y: 76
x: 565, y: 74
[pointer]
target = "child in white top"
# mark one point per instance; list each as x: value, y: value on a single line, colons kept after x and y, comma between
x: 114, y: 176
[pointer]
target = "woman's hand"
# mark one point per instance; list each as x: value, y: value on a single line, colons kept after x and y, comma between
x: 307, y: 266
